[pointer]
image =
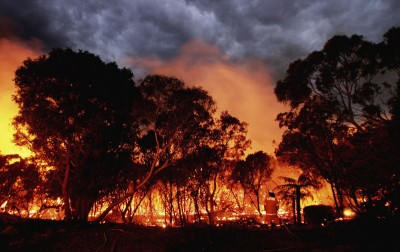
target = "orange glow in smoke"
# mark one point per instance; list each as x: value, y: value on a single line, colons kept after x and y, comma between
x: 244, y: 88
x: 12, y: 53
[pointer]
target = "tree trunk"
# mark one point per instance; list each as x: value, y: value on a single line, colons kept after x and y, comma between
x: 126, y: 211
x: 208, y: 211
x: 196, y: 206
x: 338, y: 199
x: 258, y: 205
x: 298, y: 198
x: 212, y: 196
x: 180, y: 208
x: 142, y: 197
x: 340, y: 193
x: 294, y: 209
x: 65, y: 194
x: 170, y: 204
x: 236, y: 197
x: 81, y: 207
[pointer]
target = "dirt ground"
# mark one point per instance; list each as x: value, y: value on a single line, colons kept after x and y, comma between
x: 45, y: 235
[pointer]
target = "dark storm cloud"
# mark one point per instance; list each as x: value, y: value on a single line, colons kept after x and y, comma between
x: 276, y: 31
x: 27, y: 19
x: 281, y: 31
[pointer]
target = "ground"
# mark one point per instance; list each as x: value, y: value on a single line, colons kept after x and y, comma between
x: 46, y: 235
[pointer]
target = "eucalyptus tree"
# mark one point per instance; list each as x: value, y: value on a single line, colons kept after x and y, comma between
x: 204, y: 171
x: 345, y: 75
x: 195, y: 181
x: 347, y: 89
x: 231, y: 135
x: 176, y: 119
x: 226, y: 144
x: 317, y: 146
x: 391, y: 60
x: 252, y: 174
x: 73, y: 114
x: 173, y: 120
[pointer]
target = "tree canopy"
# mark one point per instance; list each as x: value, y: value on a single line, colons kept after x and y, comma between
x: 105, y: 137
x: 341, y: 98
x: 19, y: 181
x: 74, y: 111
x: 252, y: 174
x: 104, y: 141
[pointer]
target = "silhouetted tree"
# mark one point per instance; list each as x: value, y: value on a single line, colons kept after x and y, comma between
x: 336, y: 95
x: 202, y: 169
x: 296, y: 190
x: 226, y: 144
x: 73, y: 114
x: 252, y: 174
x: 232, y: 140
x: 19, y: 179
x: 174, y: 120
x: 391, y: 60
x: 370, y: 172
x: 317, y: 146
x: 391, y: 50
x: 344, y: 76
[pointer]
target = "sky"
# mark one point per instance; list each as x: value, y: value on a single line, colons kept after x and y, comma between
x: 235, y: 49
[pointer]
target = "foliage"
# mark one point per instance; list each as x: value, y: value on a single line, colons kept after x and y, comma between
x: 19, y: 181
x: 203, y: 168
x: 105, y: 139
x: 72, y: 114
x: 174, y: 121
x: 252, y: 174
x: 343, y: 99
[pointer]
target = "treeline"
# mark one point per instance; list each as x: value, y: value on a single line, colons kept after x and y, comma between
x: 102, y: 141
x: 343, y: 121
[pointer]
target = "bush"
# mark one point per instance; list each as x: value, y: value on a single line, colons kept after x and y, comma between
x: 318, y: 214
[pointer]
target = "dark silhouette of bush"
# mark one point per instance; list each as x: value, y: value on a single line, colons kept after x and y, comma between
x: 318, y: 214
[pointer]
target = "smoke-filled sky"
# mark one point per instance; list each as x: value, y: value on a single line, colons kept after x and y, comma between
x: 234, y: 49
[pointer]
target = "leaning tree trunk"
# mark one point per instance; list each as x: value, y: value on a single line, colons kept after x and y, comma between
x: 338, y: 198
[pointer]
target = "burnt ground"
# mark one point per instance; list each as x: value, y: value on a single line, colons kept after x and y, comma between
x: 46, y: 235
